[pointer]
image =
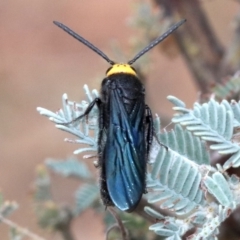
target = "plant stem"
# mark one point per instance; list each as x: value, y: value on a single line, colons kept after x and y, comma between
x: 196, y: 40
x: 24, y: 231
x: 119, y: 223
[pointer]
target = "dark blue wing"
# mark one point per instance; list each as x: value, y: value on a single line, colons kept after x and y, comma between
x: 124, y: 152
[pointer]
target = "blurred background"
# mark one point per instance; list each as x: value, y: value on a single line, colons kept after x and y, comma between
x: 39, y: 62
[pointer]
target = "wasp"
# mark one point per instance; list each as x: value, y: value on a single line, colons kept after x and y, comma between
x: 125, y: 128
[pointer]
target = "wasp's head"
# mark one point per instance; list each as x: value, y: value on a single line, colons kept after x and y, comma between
x: 121, y: 68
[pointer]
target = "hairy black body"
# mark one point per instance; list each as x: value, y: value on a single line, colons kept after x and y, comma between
x: 125, y: 127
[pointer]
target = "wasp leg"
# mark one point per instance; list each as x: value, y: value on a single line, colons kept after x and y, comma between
x: 87, y: 111
x: 100, y: 136
x: 89, y: 108
x: 149, y: 134
x: 100, y: 125
x: 149, y: 124
x: 150, y: 130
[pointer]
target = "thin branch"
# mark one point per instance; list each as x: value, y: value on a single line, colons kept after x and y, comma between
x: 114, y: 226
x: 64, y: 225
x: 121, y: 227
x: 231, y: 61
x: 24, y: 231
x: 66, y: 233
x: 197, y: 41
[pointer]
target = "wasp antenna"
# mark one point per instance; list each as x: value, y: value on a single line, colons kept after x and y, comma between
x: 84, y: 41
x: 157, y: 41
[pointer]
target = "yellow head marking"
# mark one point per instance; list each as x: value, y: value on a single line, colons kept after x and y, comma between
x: 121, y: 68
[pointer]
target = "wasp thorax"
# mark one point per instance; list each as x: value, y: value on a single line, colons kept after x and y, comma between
x: 121, y: 68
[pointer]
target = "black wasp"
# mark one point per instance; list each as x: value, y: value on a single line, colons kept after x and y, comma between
x: 125, y: 128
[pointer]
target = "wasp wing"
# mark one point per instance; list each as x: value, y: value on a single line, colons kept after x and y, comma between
x: 125, y: 152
